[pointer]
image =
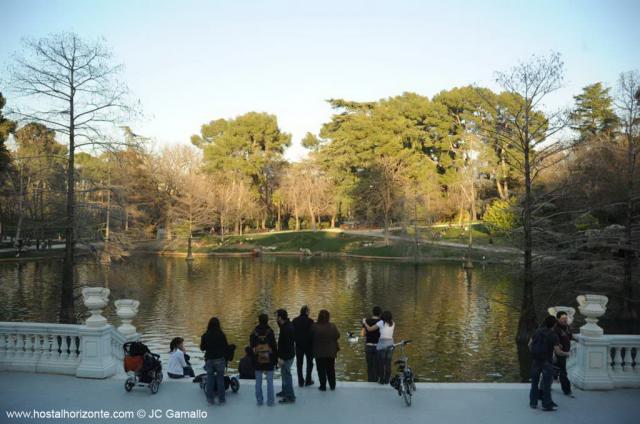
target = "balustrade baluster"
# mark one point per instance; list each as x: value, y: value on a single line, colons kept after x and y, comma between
x: 617, y: 359
x: 20, y: 345
x: 626, y: 359
x: 64, y: 348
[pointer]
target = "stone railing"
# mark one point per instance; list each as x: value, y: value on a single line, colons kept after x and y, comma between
x: 599, y: 361
x: 90, y: 350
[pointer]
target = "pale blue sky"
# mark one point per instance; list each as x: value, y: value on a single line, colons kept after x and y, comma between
x: 193, y: 61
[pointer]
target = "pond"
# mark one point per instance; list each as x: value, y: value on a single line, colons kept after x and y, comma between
x: 463, y: 324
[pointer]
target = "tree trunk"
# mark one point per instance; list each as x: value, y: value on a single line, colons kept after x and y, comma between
x: 630, y: 309
x: 386, y: 228
x: 67, y: 310
x: 295, y: 212
x: 278, y: 226
x: 527, y: 322
x: 333, y: 221
x: 222, y: 227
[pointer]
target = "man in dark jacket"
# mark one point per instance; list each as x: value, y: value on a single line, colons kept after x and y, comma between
x: 303, y: 325
x: 371, y: 341
x: 286, y: 353
x: 265, y: 354
x: 543, y: 344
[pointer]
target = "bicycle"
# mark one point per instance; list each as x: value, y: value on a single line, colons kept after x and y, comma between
x: 403, y: 381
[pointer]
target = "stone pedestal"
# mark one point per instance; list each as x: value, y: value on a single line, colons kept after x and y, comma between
x: 96, y: 359
x: 590, y: 366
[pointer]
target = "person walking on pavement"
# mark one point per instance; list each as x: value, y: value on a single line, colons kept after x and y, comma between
x: 286, y: 354
x: 304, y: 350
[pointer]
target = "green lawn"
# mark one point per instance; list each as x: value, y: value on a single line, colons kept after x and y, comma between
x: 480, y: 235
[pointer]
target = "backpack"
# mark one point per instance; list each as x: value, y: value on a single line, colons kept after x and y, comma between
x: 263, y: 349
x: 539, y: 345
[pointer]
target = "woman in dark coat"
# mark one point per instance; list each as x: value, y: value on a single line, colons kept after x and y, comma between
x: 325, y: 337
x: 214, y: 344
x: 265, y: 356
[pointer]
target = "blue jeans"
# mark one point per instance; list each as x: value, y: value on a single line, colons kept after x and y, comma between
x: 287, y: 379
x: 541, y: 390
x: 215, y: 369
x: 270, y: 395
x: 383, y: 359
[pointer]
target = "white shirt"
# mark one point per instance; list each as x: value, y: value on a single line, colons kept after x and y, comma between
x: 386, y: 330
x: 176, y: 362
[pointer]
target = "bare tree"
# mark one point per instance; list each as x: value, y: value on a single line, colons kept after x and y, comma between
x: 627, y: 102
x: 73, y: 88
x: 530, y: 137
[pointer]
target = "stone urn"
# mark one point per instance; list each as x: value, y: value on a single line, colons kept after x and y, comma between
x: 95, y: 299
x: 571, y: 312
x: 126, y: 309
x: 592, y: 306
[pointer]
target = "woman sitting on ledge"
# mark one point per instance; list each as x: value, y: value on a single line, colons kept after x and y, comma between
x: 179, y: 366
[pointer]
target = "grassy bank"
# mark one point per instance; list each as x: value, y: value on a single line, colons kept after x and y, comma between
x: 323, y: 242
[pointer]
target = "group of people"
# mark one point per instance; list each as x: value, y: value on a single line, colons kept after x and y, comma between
x: 301, y: 339
x: 551, y: 341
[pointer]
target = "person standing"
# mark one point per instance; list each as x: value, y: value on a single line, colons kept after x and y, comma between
x: 286, y: 353
x: 214, y: 344
x: 543, y: 344
x: 325, y: 337
x: 303, y: 325
x: 384, y: 354
x: 563, y: 331
x: 265, y: 352
x: 371, y: 341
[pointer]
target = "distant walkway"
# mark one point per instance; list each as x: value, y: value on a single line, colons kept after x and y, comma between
x: 409, y: 239
x: 351, y: 403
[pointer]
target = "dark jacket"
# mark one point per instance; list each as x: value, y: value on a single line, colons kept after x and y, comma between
x: 565, y: 335
x: 325, y: 340
x: 271, y: 340
x: 214, y: 345
x: 286, y: 348
x: 303, y: 325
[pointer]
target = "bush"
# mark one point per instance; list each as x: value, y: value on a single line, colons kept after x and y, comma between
x: 500, y: 217
x: 587, y: 222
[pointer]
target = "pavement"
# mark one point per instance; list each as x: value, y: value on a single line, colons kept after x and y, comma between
x: 184, y: 402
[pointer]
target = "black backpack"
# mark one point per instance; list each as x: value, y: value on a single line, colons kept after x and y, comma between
x: 539, y: 345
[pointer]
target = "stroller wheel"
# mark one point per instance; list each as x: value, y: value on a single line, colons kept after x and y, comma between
x: 154, y: 386
x: 159, y: 376
x: 235, y: 385
x: 129, y: 383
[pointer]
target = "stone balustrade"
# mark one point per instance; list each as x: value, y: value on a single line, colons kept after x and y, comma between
x: 601, y: 361
x: 90, y: 350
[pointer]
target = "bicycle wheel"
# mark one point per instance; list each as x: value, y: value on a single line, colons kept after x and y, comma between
x: 406, y: 392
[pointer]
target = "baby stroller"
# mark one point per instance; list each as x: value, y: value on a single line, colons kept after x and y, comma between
x: 229, y: 381
x: 143, y: 367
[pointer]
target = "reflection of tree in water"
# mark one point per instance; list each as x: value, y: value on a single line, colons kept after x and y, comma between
x: 461, y: 330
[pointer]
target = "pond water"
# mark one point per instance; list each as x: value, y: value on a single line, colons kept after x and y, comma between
x: 463, y: 324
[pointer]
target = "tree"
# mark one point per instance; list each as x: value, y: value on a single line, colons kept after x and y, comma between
x: 594, y: 115
x: 39, y: 161
x: 628, y: 104
x: 6, y: 127
x: 73, y: 89
x: 252, y: 144
x: 381, y: 190
x: 529, y: 135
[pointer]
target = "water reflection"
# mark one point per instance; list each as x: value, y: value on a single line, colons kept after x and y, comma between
x: 461, y: 322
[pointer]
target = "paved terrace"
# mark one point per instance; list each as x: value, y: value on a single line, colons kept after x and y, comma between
x: 447, y: 403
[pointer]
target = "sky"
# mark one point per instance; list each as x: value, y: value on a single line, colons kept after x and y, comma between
x: 190, y: 62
